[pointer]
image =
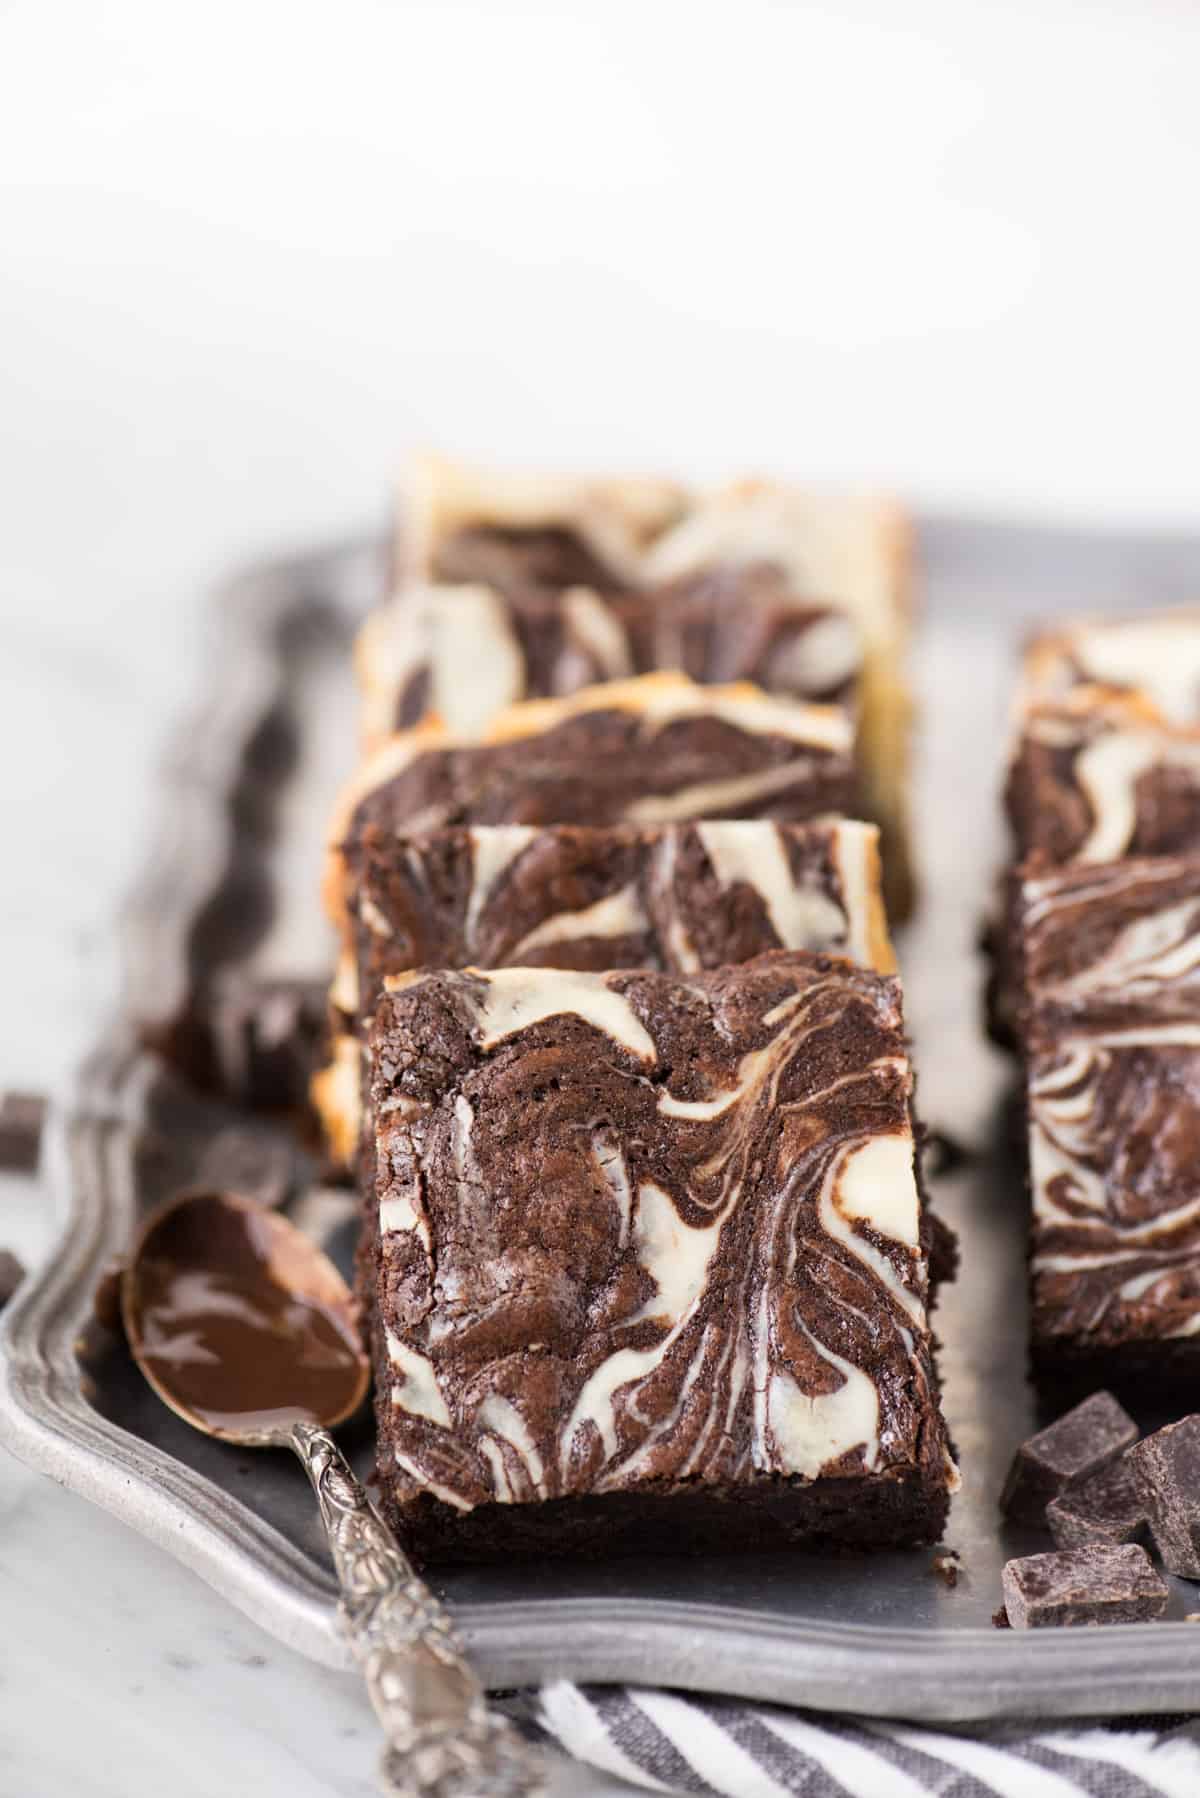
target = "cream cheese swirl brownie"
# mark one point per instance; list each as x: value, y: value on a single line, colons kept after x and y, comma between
x: 1110, y: 1029
x: 1099, y: 775
x: 650, y: 751
x: 464, y: 652
x: 569, y: 581
x: 1094, y: 776
x: 675, y: 897
x: 1155, y: 655
x: 650, y: 1263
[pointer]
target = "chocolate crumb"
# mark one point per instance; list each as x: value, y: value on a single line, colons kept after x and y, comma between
x: 945, y: 1564
x: 1000, y: 1619
x: 12, y: 1272
x: 21, y: 1118
x: 106, y: 1300
x: 944, y: 1154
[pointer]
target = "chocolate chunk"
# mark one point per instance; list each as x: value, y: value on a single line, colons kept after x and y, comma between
x: 21, y: 1118
x: 1077, y: 1445
x: 106, y: 1300
x: 1106, y: 1507
x: 1167, y: 1468
x: 1096, y: 1584
x: 12, y: 1273
x: 267, y: 1039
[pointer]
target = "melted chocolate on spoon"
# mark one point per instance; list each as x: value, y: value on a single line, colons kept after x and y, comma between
x: 239, y: 1322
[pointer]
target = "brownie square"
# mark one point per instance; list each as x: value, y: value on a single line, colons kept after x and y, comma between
x: 655, y: 750
x: 1153, y: 655
x: 674, y: 897
x: 1111, y: 1040
x: 572, y: 579
x: 719, y: 625
x: 1109, y: 945
x: 1098, y: 776
x: 1095, y: 776
x: 649, y: 1266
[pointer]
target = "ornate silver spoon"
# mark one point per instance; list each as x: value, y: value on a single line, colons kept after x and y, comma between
x: 246, y: 1330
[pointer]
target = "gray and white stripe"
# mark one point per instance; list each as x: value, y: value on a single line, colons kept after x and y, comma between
x: 676, y: 1742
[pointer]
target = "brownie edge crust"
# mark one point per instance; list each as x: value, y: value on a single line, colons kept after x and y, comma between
x: 647, y: 1264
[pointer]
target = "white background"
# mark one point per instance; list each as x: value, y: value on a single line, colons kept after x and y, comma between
x: 250, y: 253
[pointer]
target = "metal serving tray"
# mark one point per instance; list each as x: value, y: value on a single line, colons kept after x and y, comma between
x: 234, y: 879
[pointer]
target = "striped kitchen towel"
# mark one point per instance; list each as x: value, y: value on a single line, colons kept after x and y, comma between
x: 677, y: 1742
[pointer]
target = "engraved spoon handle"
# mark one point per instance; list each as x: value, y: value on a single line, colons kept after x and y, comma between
x: 443, y: 1742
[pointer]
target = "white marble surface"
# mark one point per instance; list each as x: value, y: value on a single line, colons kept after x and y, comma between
x: 250, y: 251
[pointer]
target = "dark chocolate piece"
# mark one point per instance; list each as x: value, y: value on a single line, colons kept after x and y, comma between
x: 1106, y: 1507
x: 1072, y: 1448
x: 21, y: 1118
x: 256, y: 1042
x: 1073, y: 1586
x: 650, y: 1265
x: 943, y: 1154
x: 12, y: 1272
x: 269, y: 1037
x: 1167, y: 1469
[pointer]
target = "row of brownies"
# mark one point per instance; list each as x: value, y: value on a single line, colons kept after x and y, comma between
x: 1096, y: 981
x: 621, y: 1063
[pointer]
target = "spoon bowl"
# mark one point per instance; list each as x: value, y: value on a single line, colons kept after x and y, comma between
x: 240, y: 1323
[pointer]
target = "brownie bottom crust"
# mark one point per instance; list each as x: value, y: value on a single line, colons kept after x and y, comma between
x: 1161, y: 1371
x: 899, y: 1509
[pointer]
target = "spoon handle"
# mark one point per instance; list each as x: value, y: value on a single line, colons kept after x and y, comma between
x: 443, y: 1741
